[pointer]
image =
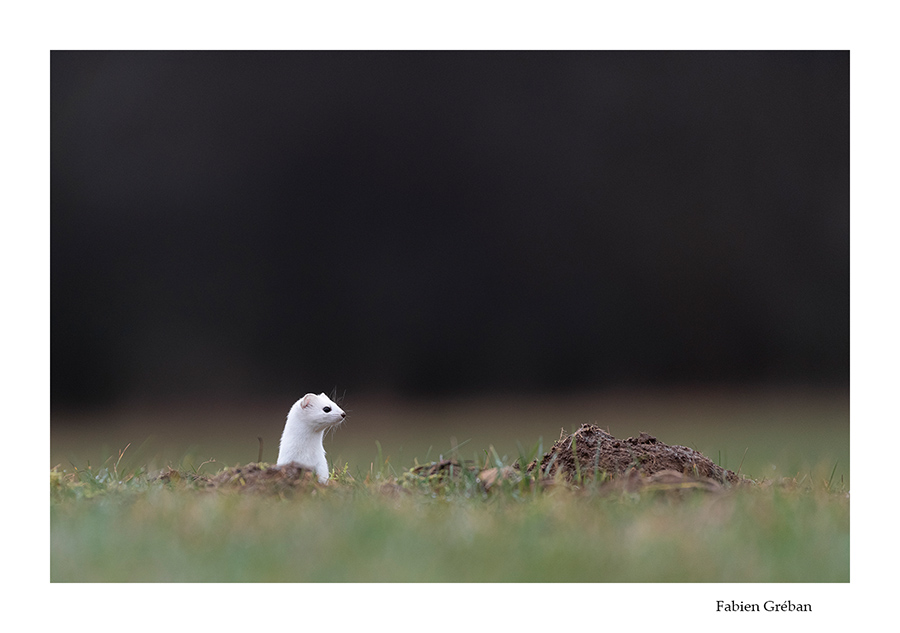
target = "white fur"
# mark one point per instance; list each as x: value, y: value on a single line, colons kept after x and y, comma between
x: 306, y: 424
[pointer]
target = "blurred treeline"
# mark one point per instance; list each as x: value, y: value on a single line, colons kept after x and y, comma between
x: 426, y: 223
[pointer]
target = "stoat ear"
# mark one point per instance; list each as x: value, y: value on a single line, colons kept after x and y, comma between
x: 307, y: 400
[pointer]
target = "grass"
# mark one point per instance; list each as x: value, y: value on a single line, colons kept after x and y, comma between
x: 109, y: 524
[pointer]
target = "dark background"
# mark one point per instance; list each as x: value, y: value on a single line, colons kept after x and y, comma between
x: 430, y: 223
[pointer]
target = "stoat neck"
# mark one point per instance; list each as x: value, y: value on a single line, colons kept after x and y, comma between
x: 303, y: 444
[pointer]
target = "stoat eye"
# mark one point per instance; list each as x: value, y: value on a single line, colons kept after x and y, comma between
x: 327, y: 409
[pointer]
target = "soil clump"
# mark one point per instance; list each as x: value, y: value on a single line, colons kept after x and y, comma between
x: 591, y: 451
x: 257, y: 477
x: 253, y: 477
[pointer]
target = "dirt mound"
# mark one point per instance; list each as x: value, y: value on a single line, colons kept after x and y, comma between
x: 263, y: 478
x: 446, y: 469
x: 591, y: 450
x: 450, y: 467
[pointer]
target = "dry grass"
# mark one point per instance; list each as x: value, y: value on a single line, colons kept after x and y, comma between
x: 440, y: 528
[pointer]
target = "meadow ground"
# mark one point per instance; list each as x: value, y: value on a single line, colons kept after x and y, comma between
x: 115, y: 521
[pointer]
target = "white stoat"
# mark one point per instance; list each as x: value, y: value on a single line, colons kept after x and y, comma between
x: 306, y: 424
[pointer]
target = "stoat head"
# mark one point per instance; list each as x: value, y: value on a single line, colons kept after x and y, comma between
x: 318, y: 412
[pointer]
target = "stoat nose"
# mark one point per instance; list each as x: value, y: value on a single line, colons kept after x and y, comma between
x: 343, y: 415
